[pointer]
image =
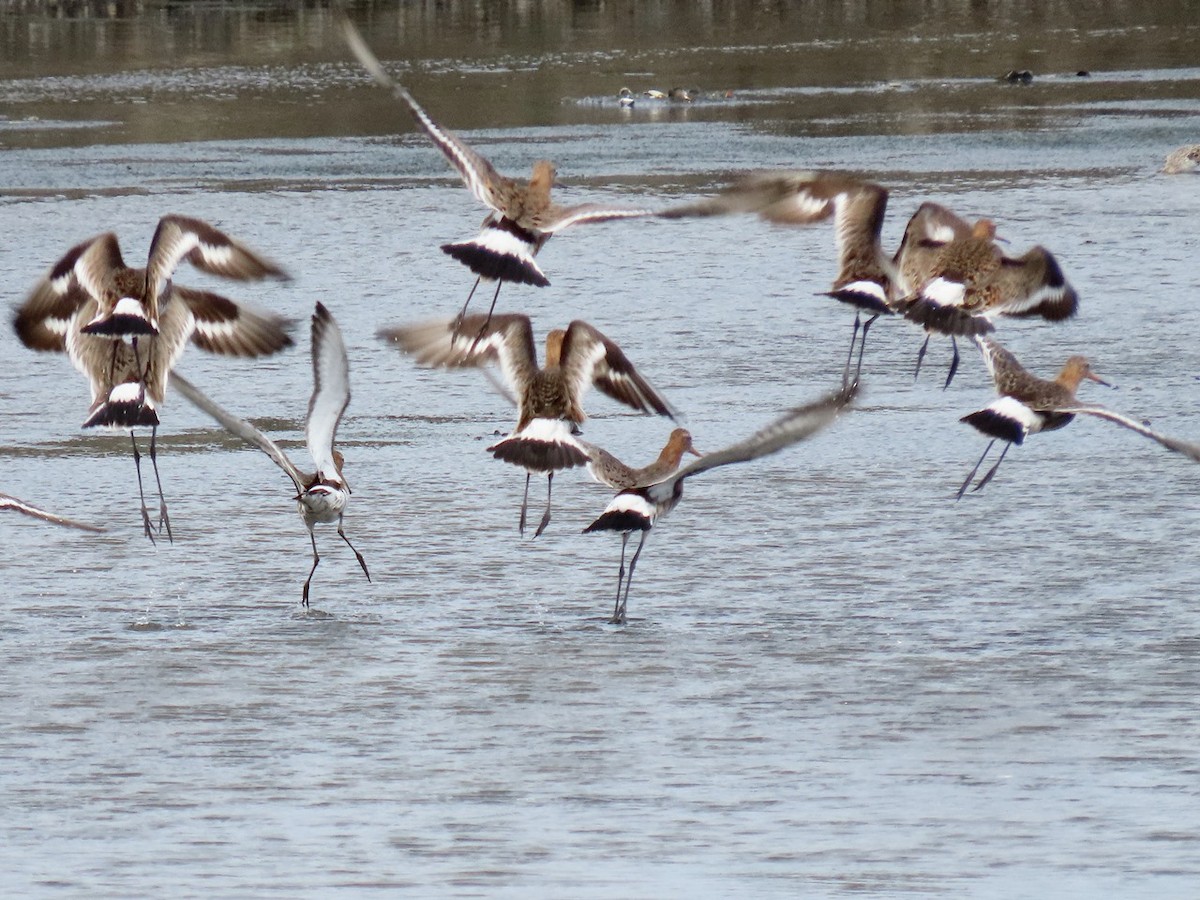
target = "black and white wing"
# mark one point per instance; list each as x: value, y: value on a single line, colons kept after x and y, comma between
x: 224, y: 326
x: 180, y: 238
x: 42, y: 321
x: 331, y: 390
x: 562, y: 217
x: 506, y: 339
x: 801, y: 423
x: 479, y: 175
x: 17, y: 505
x: 588, y: 358
x: 239, y: 428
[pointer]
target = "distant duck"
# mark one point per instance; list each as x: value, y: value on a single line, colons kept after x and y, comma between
x: 1017, y: 76
x: 654, y: 94
x: 682, y: 95
x: 625, y: 97
x: 1185, y: 159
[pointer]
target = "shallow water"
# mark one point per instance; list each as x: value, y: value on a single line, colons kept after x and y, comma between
x: 836, y: 680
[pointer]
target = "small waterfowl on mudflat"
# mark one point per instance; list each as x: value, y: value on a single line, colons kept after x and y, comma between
x: 1017, y: 76
x: 549, y: 398
x: 625, y: 97
x: 1185, y: 159
x: 637, y: 509
x: 1028, y: 405
x: 7, y: 501
x: 959, y: 279
x: 607, y: 469
x: 125, y: 328
x: 322, y: 496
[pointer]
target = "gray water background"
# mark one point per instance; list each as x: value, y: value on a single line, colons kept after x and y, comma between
x: 835, y: 680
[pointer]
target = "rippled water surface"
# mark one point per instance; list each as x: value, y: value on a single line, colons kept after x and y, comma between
x: 835, y: 679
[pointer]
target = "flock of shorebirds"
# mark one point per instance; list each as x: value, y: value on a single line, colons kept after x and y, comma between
x: 124, y: 328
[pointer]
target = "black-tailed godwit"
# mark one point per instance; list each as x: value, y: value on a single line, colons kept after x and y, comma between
x: 868, y: 278
x: 637, y: 509
x: 124, y: 328
x: 959, y: 279
x: 321, y: 497
x: 1028, y: 405
x: 522, y: 214
x: 549, y: 398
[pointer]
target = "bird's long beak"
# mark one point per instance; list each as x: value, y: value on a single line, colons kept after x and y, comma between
x: 694, y: 451
x: 1096, y: 378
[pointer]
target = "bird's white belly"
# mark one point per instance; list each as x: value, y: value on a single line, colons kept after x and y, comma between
x: 321, y: 503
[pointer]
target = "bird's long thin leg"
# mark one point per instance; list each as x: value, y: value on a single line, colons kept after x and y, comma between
x: 488, y: 320
x: 992, y: 471
x: 137, y: 463
x: 524, y: 504
x: 112, y: 364
x: 463, y: 314
x: 921, y: 356
x: 861, y: 347
x: 962, y: 490
x: 619, y: 616
x: 163, y: 518
x: 546, y: 515
x: 362, y: 562
x: 620, y: 578
x: 850, y: 355
x: 316, y: 559
x: 953, y: 363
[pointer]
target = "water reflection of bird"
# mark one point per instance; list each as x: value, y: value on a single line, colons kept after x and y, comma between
x: 16, y: 505
x: 1185, y: 159
x: 522, y: 215
x: 124, y: 328
x: 959, y: 279
x: 637, y: 509
x: 321, y: 497
x: 607, y: 469
x: 550, y: 397
x: 1028, y: 405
